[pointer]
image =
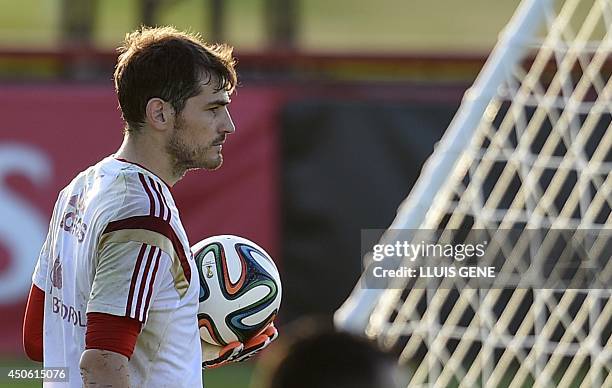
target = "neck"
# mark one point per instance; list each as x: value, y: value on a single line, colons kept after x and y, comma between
x: 149, y: 153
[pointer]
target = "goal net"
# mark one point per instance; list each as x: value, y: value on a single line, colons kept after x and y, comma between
x: 524, y: 167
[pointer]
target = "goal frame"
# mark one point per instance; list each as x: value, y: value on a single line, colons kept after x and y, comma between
x: 354, y: 314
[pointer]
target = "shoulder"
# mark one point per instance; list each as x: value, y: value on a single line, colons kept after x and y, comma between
x: 126, y: 197
x: 143, y: 192
x: 132, y: 193
x: 142, y: 206
x: 150, y: 194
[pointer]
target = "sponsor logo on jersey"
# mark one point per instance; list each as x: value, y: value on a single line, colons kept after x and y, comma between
x: 72, y: 221
x: 68, y: 313
x: 56, y: 274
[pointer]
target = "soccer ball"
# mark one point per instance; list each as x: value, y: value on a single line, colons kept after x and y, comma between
x: 240, y: 289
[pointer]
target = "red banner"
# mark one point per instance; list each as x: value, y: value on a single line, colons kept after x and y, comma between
x: 50, y: 133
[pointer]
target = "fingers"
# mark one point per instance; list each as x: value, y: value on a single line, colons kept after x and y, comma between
x: 262, y: 340
x: 215, y: 356
x: 271, y: 332
x: 257, y: 343
x: 226, y: 354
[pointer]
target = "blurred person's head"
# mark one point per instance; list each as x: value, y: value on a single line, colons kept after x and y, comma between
x: 317, y: 356
x: 173, y: 89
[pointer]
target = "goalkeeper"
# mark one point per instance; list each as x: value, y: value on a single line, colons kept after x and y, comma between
x: 115, y: 290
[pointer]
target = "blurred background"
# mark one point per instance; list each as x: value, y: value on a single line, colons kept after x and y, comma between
x: 340, y: 103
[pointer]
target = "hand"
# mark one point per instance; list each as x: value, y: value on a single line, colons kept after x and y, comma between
x: 215, y: 356
x: 257, y: 343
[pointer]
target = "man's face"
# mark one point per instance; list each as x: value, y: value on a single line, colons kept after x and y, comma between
x: 199, y: 131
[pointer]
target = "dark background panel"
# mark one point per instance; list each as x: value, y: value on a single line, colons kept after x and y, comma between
x: 346, y: 166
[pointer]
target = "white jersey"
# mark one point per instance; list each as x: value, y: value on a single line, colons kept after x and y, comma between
x: 116, y: 245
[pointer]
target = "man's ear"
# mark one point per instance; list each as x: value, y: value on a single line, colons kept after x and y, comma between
x: 159, y: 113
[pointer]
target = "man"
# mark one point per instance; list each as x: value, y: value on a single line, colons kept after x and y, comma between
x: 115, y: 277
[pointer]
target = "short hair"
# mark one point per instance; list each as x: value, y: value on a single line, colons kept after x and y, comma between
x: 169, y: 64
x: 319, y: 356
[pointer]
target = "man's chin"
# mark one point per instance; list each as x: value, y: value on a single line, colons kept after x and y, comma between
x: 208, y: 165
x: 213, y: 164
x: 213, y: 168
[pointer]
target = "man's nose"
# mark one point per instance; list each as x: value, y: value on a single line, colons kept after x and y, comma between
x: 228, y: 126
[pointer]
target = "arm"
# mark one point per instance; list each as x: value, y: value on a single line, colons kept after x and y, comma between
x: 109, y: 344
x: 104, y: 368
x: 33, y: 324
x: 33, y: 320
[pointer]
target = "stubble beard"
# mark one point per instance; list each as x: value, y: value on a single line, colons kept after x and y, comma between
x: 185, y: 157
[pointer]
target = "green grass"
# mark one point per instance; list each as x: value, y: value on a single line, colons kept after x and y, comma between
x: 389, y: 25
x: 29, y: 23
x: 8, y: 363
x: 338, y: 25
x: 324, y: 25
x: 231, y: 376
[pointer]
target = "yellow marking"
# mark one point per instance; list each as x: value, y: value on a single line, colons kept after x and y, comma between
x: 155, y: 239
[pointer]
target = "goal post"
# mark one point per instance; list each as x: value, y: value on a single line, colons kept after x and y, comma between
x: 411, y: 213
x: 527, y: 159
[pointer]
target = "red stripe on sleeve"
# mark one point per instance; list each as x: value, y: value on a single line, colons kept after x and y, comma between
x: 151, y: 282
x: 149, y: 194
x: 154, y: 224
x: 162, y: 208
x: 33, y: 324
x: 128, y: 306
x: 165, y: 202
x: 143, y: 283
x: 111, y: 332
x: 144, y: 168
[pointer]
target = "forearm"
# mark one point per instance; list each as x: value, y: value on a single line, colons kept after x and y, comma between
x: 33, y: 324
x: 103, y: 368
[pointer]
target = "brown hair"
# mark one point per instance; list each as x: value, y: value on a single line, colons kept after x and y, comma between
x: 168, y: 64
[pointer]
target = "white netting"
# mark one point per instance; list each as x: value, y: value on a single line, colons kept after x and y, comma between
x: 539, y: 159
